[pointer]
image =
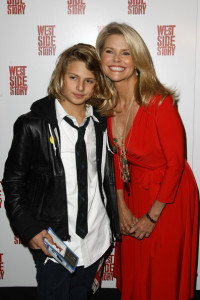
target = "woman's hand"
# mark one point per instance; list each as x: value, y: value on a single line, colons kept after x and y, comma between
x: 143, y: 228
x: 146, y: 224
x: 126, y: 217
x: 126, y: 220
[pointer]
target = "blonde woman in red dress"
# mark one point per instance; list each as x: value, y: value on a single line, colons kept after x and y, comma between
x: 157, y: 193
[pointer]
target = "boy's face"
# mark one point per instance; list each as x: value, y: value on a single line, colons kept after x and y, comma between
x: 79, y: 83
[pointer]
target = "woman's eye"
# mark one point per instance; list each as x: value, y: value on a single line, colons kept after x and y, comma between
x: 108, y: 51
x: 126, y: 53
x: 73, y: 77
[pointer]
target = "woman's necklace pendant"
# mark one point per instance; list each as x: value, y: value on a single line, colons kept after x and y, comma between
x: 120, y: 148
x: 115, y: 148
x: 115, y: 140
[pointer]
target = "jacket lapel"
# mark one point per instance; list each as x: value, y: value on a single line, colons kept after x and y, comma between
x: 99, y: 146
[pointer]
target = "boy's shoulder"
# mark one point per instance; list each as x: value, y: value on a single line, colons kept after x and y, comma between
x: 102, y: 119
x: 41, y: 110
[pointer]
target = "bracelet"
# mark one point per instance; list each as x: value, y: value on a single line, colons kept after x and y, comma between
x: 150, y: 218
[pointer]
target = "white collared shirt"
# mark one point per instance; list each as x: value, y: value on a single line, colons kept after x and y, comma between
x: 98, y: 238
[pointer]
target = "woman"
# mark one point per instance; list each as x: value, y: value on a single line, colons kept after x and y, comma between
x: 156, y: 190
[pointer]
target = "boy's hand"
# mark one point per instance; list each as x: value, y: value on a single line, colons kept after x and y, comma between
x: 37, y: 242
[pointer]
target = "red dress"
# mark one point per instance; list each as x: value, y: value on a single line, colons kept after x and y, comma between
x: 161, y: 267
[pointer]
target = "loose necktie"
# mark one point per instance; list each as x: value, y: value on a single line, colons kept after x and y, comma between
x: 81, y: 169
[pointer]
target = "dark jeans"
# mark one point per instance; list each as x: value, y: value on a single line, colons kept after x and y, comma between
x: 56, y: 283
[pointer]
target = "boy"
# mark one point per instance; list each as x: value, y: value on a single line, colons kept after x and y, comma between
x: 59, y: 173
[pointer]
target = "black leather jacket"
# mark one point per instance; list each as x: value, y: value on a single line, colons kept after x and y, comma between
x: 34, y: 178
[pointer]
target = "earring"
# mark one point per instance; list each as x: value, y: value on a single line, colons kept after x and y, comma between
x: 136, y: 71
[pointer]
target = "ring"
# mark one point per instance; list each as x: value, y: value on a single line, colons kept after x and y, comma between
x: 132, y: 225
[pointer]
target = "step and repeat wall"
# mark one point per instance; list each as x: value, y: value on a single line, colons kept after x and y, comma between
x: 34, y: 32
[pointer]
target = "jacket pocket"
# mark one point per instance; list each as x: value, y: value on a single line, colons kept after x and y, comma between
x: 48, y: 199
x: 38, y: 189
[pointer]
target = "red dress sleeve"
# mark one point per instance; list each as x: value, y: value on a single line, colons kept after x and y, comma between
x: 119, y: 181
x: 171, y: 135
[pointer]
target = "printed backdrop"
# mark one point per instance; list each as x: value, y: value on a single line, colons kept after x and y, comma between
x: 34, y: 32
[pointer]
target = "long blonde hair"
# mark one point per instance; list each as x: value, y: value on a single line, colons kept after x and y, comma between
x: 87, y: 54
x: 148, y: 83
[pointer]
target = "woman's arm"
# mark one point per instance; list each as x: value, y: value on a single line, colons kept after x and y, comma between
x: 171, y: 137
x: 126, y: 217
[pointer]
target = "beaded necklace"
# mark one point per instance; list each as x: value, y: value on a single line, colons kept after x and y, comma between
x: 121, y: 150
